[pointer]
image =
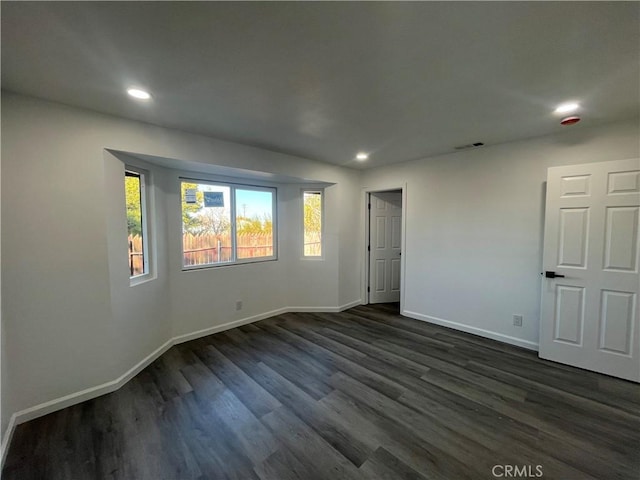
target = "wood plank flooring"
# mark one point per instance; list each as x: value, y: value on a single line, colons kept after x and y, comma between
x: 363, y: 394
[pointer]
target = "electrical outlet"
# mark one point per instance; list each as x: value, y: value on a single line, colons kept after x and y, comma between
x: 517, y: 320
x: 239, y: 305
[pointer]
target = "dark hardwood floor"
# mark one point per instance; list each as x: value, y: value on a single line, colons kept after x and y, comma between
x: 363, y: 394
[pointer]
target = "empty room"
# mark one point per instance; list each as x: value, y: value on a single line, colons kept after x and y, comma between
x: 320, y: 240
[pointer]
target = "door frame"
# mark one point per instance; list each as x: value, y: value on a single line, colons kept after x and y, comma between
x: 365, y: 229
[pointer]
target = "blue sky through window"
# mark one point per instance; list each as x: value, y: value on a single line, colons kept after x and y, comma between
x: 252, y: 203
x: 249, y: 203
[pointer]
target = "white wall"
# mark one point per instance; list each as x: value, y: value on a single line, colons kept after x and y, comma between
x: 72, y: 320
x: 141, y: 314
x: 474, y: 223
x: 55, y: 276
x: 350, y: 254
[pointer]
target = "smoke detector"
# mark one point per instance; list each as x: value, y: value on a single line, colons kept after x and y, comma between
x: 570, y: 120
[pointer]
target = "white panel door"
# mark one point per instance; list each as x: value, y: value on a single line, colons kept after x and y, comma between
x: 591, y: 284
x: 385, y: 240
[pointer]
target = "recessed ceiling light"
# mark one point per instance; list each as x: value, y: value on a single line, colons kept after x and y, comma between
x: 139, y: 94
x: 567, y: 107
x: 362, y: 156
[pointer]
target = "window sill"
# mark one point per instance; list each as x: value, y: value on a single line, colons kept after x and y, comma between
x: 227, y: 264
x: 140, y: 279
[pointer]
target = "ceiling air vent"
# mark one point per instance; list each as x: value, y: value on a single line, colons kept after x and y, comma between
x: 469, y: 145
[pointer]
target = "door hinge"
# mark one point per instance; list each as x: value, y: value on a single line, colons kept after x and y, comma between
x: 368, y: 289
x: 368, y: 248
x: 369, y: 206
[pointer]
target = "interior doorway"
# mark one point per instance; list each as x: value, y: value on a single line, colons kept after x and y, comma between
x: 384, y: 246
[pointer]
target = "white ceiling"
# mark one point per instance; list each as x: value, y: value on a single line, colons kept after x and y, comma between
x: 325, y: 80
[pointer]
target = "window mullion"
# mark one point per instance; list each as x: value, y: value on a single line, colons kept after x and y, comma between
x: 144, y: 229
x: 234, y: 227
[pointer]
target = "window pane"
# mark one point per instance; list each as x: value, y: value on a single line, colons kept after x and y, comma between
x: 312, y: 224
x: 254, y: 223
x: 133, y: 191
x: 206, y: 224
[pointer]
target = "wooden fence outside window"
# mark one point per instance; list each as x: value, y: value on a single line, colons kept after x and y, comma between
x: 208, y: 249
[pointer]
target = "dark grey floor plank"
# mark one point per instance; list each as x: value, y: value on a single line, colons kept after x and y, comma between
x: 337, y: 362
x: 305, y: 326
x: 516, y: 442
x: 384, y: 329
x: 384, y: 466
x: 214, y: 448
x: 216, y: 399
x: 305, y: 376
x: 302, y: 404
x: 401, y: 442
x: 465, y: 444
x: 376, y: 361
x: 284, y: 465
x: 565, y: 435
x: 473, y: 454
x: 365, y: 345
x: 483, y: 382
x: 594, y: 410
x: 354, y: 447
x: 307, y: 444
x: 627, y: 411
x: 294, y: 364
x: 168, y: 378
x: 256, y: 398
x: 365, y: 393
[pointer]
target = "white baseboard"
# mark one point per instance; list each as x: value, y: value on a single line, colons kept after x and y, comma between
x: 89, y: 393
x: 227, y: 326
x: 6, y: 440
x: 77, y: 397
x: 74, y: 398
x: 312, y: 309
x: 519, y: 342
x: 349, y: 305
x: 325, y: 309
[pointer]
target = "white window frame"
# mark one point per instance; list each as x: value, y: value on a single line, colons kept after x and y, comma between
x: 145, y: 187
x: 322, y: 223
x: 232, y: 199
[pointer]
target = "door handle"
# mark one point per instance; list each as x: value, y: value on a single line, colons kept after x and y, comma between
x: 550, y: 274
